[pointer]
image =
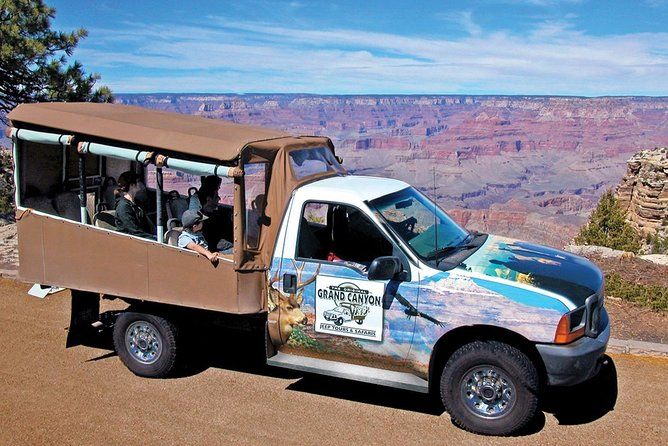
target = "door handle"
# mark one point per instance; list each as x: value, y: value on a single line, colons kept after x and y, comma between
x: 289, y: 283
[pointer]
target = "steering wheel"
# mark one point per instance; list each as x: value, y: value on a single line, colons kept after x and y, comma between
x: 407, y: 226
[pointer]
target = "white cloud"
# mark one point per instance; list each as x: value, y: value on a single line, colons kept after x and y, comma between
x: 226, y: 55
x: 463, y: 19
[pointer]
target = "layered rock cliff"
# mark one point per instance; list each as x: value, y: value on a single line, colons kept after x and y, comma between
x: 643, y: 192
x: 526, y: 166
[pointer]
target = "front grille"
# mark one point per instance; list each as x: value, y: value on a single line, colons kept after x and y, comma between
x: 594, y: 305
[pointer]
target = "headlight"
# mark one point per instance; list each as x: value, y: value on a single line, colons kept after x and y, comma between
x: 571, y: 326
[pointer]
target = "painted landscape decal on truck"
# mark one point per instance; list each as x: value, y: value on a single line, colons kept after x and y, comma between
x: 410, y: 329
x: 349, y: 307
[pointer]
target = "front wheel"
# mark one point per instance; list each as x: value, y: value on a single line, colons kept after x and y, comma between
x: 145, y: 343
x: 490, y: 388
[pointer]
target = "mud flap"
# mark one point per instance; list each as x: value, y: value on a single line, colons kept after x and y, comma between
x: 85, y: 311
x: 270, y: 349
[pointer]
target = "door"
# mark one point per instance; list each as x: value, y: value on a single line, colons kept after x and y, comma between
x: 324, y: 303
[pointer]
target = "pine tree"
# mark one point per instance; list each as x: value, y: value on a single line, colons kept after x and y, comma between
x: 607, y: 226
x: 33, y: 59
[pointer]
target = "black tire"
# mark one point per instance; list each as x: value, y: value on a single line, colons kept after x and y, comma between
x: 162, y: 331
x: 360, y: 322
x: 516, y: 401
x: 339, y: 321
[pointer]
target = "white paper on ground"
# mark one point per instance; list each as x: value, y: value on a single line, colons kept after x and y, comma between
x: 42, y: 291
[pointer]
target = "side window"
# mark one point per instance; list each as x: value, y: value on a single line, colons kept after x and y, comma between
x: 50, y: 179
x: 316, y: 214
x: 173, y: 180
x: 93, y: 165
x: 255, y: 177
x: 340, y: 233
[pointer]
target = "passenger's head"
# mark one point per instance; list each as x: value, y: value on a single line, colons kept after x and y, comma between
x: 129, y: 182
x: 208, y: 193
x: 193, y: 220
x: 211, y: 182
x: 258, y: 203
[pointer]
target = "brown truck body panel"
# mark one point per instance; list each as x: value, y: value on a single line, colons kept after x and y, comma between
x: 73, y: 255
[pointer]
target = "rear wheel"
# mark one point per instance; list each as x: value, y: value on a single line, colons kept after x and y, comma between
x: 490, y: 388
x: 145, y: 343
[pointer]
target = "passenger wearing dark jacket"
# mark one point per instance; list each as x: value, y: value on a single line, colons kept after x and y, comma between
x: 130, y: 218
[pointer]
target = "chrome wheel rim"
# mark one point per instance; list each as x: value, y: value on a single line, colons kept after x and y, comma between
x: 488, y: 392
x: 143, y: 341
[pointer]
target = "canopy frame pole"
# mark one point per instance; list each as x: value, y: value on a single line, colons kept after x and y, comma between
x: 158, y: 204
x: 239, y: 210
x: 142, y: 157
x: 54, y: 139
x: 82, y: 188
x: 198, y: 168
x: 17, y: 179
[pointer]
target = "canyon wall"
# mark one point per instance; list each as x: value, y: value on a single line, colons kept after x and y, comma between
x: 529, y: 167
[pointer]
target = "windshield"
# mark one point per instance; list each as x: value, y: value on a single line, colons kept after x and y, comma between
x: 313, y: 160
x: 419, y: 222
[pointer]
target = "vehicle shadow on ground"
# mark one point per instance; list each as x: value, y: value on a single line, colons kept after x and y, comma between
x: 367, y: 393
x: 579, y: 404
x: 247, y: 355
x: 584, y: 402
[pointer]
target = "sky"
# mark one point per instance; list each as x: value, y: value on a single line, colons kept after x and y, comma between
x: 514, y: 47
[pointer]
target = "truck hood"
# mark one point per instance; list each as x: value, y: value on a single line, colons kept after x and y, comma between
x: 568, y: 275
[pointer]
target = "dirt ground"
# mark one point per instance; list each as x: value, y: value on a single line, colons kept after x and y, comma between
x: 9, y: 255
x: 632, y: 321
x: 634, y: 269
x: 84, y: 395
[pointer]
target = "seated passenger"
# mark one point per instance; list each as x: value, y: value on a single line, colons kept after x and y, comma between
x: 130, y: 218
x: 192, y: 238
x: 255, y: 218
x: 218, y: 223
x: 210, y: 187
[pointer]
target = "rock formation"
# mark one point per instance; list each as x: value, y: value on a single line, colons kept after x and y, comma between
x: 643, y: 192
x: 532, y: 167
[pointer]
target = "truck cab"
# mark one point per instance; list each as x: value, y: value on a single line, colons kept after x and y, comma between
x: 428, y: 287
x: 358, y: 277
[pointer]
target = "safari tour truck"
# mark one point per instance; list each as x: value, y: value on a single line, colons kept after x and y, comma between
x: 357, y: 277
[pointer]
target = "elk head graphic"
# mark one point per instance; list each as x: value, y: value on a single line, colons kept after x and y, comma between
x: 285, y: 308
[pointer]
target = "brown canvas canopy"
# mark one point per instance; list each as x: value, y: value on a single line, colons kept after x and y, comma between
x: 194, y: 135
x: 219, y: 140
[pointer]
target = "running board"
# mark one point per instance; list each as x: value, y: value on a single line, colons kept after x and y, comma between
x: 354, y: 372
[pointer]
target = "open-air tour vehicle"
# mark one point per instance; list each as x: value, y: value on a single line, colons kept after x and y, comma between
x: 484, y: 321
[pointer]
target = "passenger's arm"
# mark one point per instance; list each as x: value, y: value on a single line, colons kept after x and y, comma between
x: 213, y: 258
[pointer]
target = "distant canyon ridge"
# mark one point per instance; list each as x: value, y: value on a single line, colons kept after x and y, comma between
x: 526, y: 167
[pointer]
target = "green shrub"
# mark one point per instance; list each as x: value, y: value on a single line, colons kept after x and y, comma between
x: 652, y: 296
x: 6, y: 183
x: 657, y: 244
x: 607, y: 226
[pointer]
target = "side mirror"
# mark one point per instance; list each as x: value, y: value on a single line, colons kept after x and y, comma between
x: 384, y: 268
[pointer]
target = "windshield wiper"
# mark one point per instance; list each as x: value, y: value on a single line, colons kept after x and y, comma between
x: 463, y: 245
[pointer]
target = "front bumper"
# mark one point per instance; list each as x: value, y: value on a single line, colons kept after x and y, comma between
x: 573, y: 363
